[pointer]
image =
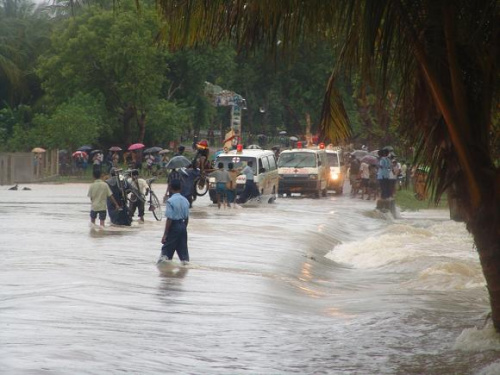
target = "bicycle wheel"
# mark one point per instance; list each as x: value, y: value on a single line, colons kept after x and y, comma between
x: 201, y: 186
x: 155, y: 206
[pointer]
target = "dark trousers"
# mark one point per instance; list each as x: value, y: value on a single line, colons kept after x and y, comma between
x: 250, y: 191
x: 176, y: 241
x: 385, y: 188
x: 136, y: 204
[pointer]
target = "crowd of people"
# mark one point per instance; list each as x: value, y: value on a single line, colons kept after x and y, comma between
x: 380, y: 176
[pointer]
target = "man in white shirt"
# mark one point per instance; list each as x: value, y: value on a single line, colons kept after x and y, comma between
x: 138, y: 198
x: 251, y: 190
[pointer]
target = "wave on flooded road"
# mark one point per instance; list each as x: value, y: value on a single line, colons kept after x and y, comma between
x: 436, y: 256
x: 300, y: 286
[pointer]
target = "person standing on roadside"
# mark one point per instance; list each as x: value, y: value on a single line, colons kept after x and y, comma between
x: 180, y: 150
x: 364, y: 171
x: 354, y: 179
x: 98, y: 193
x: 383, y: 174
x: 175, y: 235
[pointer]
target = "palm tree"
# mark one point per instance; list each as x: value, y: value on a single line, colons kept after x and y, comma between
x: 24, y: 33
x: 441, y: 55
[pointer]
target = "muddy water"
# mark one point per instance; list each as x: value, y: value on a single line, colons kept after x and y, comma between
x: 306, y: 286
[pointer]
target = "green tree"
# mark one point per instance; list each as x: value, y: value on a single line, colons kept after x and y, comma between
x: 167, y: 120
x: 74, y: 123
x: 186, y: 76
x: 15, y: 123
x: 24, y: 31
x: 108, y: 53
x: 442, y: 55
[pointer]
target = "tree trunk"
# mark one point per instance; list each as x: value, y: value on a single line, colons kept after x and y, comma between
x: 486, y: 234
x: 455, y: 205
x: 141, y: 123
x: 128, y: 114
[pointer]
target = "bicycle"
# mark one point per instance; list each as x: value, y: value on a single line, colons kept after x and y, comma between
x: 154, y: 202
x: 201, y: 185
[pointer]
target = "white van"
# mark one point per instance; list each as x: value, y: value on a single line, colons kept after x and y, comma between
x: 304, y: 171
x: 337, y: 169
x: 265, y: 171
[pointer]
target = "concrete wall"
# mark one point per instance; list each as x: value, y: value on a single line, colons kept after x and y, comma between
x: 16, y: 167
x: 21, y: 167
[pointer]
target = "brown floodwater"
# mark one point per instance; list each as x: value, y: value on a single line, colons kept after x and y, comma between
x: 305, y: 286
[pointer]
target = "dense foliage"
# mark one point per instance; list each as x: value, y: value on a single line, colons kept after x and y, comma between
x: 98, y: 75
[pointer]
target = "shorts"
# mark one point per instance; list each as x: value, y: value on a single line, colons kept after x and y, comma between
x: 365, y: 182
x: 220, y: 188
x: 102, y: 215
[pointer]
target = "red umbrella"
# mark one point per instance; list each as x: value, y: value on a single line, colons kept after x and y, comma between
x: 115, y: 148
x: 135, y: 146
x: 79, y: 153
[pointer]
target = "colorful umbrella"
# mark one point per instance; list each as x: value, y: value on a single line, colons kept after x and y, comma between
x: 38, y: 150
x: 115, y: 148
x: 152, y: 150
x: 135, y: 146
x: 79, y: 153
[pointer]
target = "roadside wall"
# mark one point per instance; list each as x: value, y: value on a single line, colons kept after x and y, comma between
x: 25, y: 167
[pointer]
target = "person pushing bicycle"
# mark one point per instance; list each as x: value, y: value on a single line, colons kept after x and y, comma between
x: 137, y: 198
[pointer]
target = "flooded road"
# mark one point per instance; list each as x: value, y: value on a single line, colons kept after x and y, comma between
x: 305, y: 286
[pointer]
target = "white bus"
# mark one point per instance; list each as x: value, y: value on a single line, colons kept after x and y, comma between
x: 264, y: 168
x: 304, y: 171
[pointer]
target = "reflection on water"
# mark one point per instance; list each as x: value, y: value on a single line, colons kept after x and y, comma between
x: 300, y: 286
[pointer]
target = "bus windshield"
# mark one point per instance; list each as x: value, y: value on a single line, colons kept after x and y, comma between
x: 297, y: 160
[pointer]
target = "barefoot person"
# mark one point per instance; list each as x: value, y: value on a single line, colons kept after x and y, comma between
x: 175, y: 235
x: 98, y: 193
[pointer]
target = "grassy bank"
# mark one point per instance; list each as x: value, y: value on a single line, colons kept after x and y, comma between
x: 406, y: 200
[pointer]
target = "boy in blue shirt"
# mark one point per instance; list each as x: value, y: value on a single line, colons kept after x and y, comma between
x: 175, y: 235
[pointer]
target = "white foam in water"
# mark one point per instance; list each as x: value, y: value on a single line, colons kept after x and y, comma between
x: 479, y: 340
x: 453, y: 275
x: 492, y: 369
x: 439, y: 257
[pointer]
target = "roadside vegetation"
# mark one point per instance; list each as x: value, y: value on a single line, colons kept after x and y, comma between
x: 407, y: 201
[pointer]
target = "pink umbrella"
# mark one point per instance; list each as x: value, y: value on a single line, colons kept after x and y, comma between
x: 79, y: 153
x: 135, y: 146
